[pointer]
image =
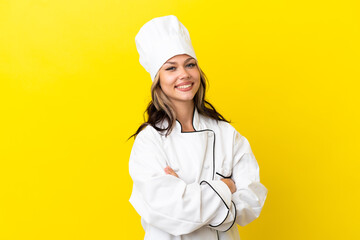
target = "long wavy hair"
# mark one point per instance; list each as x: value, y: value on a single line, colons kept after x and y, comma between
x: 160, y: 107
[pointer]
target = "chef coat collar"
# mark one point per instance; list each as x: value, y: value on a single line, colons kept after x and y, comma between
x: 195, y: 122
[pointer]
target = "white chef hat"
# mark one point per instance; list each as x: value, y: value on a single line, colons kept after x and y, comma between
x: 159, y: 40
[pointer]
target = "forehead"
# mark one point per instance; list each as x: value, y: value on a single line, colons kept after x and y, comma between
x: 179, y: 58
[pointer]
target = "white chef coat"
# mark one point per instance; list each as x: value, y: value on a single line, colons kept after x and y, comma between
x: 197, y: 205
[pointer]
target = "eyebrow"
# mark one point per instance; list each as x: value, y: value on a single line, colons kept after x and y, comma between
x: 190, y: 58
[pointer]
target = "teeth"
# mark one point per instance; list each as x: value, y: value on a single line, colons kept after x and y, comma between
x: 184, y: 86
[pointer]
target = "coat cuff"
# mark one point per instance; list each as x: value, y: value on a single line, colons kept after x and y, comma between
x: 224, y: 212
x: 222, y: 190
x: 229, y: 221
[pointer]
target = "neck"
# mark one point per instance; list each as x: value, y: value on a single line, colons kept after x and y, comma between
x: 184, y: 114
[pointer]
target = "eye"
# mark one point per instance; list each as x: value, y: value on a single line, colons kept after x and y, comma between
x: 191, y: 65
x: 170, y: 68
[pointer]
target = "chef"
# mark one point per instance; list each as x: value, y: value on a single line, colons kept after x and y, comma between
x: 194, y: 175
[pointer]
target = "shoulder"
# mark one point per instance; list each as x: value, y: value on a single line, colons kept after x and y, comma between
x: 223, y: 127
x: 147, y: 145
x: 147, y: 135
x: 227, y: 133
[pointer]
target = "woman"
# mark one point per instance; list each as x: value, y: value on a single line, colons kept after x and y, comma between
x: 194, y: 175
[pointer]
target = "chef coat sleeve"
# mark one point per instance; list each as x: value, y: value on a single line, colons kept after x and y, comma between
x: 165, y: 201
x: 250, y: 194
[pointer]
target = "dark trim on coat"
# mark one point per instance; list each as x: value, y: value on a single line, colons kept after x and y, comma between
x: 234, y: 218
x: 222, y: 201
x: 203, y: 130
x: 216, y: 192
x: 223, y: 175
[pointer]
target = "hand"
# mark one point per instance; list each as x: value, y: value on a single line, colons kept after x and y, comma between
x: 230, y: 183
x: 168, y: 170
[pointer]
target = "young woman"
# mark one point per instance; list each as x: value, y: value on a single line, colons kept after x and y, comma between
x: 194, y: 175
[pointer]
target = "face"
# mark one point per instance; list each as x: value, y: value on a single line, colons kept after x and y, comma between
x: 180, y: 78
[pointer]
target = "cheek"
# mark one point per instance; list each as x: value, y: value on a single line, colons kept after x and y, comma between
x: 162, y: 82
x: 166, y: 79
x: 197, y: 77
x: 196, y: 74
x: 166, y: 86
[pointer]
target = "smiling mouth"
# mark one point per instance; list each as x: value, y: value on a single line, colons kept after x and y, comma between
x: 184, y: 86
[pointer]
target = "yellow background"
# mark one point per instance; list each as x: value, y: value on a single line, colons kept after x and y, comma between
x: 72, y: 90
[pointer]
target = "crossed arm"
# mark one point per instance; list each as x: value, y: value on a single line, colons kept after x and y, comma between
x: 228, y: 181
x: 168, y: 203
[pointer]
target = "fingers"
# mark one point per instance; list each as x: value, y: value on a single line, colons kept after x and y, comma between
x: 168, y: 170
x: 230, y: 183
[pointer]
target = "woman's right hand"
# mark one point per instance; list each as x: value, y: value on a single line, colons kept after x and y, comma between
x: 230, y: 183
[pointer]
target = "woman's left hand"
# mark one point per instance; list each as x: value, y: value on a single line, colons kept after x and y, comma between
x: 230, y: 183
x: 170, y: 171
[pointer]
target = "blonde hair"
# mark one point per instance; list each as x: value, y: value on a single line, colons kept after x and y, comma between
x: 160, y: 107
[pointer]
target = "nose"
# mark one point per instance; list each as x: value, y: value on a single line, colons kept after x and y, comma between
x: 184, y: 74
